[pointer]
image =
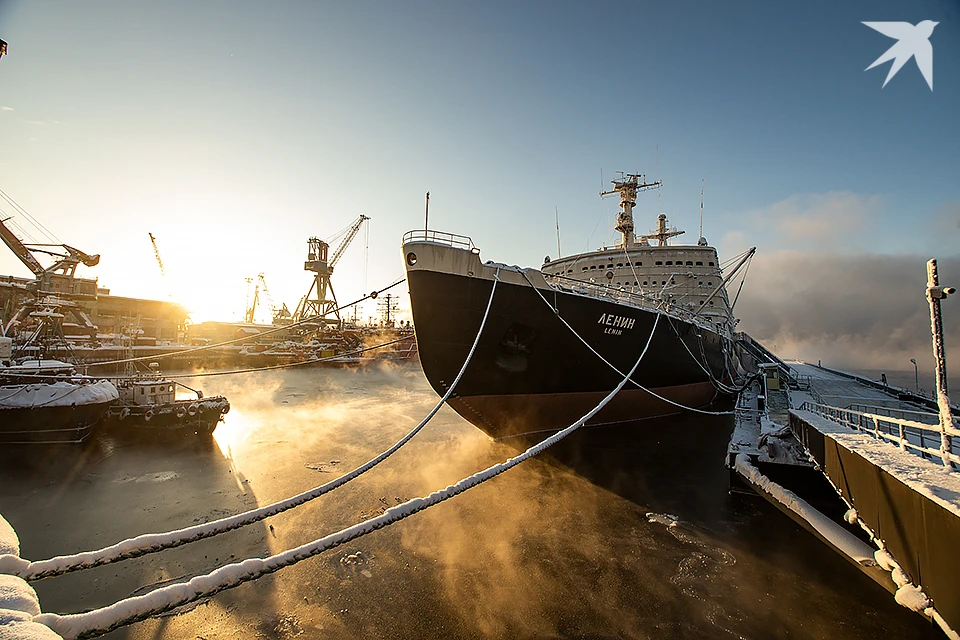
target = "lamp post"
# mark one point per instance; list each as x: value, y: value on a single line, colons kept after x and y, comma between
x: 935, y: 293
x: 916, y: 373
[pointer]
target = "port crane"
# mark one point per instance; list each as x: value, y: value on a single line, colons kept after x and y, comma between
x: 58, y: 278
x: 320, y: 303
x: 252, y: 307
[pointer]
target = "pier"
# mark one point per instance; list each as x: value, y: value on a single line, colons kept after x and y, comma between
x: 864, y: 467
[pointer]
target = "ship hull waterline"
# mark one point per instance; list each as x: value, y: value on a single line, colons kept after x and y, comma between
x: 530, y: 373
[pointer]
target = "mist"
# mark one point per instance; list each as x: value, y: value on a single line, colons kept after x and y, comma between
x: 859, y: 311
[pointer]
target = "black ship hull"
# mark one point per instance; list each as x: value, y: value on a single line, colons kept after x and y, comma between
x: 50, y: 425
x: 530, y: 372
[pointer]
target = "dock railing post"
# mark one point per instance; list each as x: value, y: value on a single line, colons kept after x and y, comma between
x: 935, y: 293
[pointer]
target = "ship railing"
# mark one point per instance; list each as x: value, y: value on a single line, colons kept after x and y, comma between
x: 631, y: 298
x: 439, y: 237
x: 928, y: 441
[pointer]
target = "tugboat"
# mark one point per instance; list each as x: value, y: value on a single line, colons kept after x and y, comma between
x: 148, y: 401
x: 557, y: 340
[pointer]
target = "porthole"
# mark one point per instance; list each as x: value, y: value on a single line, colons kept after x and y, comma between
x: 411, y: 258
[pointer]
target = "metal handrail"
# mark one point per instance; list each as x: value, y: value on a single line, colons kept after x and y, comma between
x: 623, y: 296
x: 897, y: 431
x: 926, y: 417
x: 439, y: 237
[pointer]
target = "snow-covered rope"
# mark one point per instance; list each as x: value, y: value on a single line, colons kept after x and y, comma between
x: 268, y: 332
x: 611, y: 365
x: 154, y: 542
x: 124, y: 612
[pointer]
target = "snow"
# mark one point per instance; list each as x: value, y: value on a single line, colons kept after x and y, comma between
x: 16, y: 594
x: 851, y: 516
x: 839, y: 537
x: 25, y: 630
x: 9, y: 542
x: 57, y: 394
x: 927, y: 478
x: 912, y: 597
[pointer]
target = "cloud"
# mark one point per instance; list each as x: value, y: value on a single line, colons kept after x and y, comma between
x: 817, y: 216
x: 864, y: 311
x: 5, y: 108
x: 946, y: 221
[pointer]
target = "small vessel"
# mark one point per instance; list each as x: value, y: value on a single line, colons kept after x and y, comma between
x: 558, y: 339
x: 149, y: 401
x: 46, y: 402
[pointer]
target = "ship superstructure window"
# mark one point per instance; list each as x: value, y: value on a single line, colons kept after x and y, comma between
x: 689, y: 263
x: 710, y: 263
x: 610, y: 266
x: 638, y: 264
x: 586, y: 268
x: 658, y: 262
x: 669, y: 262
x: 619, y: 264
x: 699, y: 263
x: 593, y: 266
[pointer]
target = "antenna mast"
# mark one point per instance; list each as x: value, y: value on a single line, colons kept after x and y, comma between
x: 628, y: 186
x: 556, y: 211
x: 701, y: 207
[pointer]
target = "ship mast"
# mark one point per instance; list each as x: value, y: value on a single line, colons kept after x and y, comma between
x: 627, y: 186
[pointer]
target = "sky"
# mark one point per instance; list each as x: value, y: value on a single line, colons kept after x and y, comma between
x: 234, y: 131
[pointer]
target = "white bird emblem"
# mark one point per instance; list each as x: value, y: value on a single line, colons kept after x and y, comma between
x: 912, y: 42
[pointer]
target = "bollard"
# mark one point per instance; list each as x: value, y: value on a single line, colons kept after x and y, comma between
x: 18, y: 600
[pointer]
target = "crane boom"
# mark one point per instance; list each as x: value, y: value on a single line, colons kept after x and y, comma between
x: 351, y: 234
x: 156, y: 252
x: 20, y: 250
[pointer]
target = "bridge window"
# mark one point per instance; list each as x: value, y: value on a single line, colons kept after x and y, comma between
x: 689, y: 263
x: 669, y: 262
x: 638, y: 264
x: 710, y: 263
x: 659, y: 262
x: 593, y: 266
x: 699, y: 263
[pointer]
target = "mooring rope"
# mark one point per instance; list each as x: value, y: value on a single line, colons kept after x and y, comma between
x: 154, y: 542
x: 124, y: 612
x: 656, y: 395
x: 286, y: 365
x: 268, y: 332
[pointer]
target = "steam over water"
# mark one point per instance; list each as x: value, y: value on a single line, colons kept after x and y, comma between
x: 632, y: 545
